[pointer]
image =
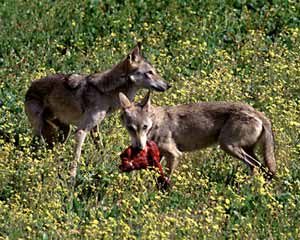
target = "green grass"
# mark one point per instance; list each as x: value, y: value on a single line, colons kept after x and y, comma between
x: 210, y: 50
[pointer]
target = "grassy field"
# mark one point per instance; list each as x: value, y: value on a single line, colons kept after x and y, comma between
x: 207, y: 50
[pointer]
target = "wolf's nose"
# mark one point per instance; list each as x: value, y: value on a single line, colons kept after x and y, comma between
x: 139, y: 147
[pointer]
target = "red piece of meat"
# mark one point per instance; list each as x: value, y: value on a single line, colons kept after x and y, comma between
x: 135, y: 159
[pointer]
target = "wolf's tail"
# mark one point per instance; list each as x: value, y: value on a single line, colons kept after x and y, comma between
x: 35, y: 99
x: 34, y: 110
x: 268, y: 146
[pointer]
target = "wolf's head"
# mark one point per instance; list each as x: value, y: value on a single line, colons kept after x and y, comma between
x: 142, y: 73
x: 137, y: 119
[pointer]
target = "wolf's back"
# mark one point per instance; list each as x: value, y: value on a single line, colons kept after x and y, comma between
x: 39, y: 89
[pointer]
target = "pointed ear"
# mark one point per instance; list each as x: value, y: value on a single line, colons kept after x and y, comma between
x: 124, y: 101
x: 135, y: 54
x: 146, y: 102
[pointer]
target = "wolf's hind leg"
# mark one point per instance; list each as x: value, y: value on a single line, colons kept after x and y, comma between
x: 49, y: 133
x: 239, y: 136
x: 63, y: 130
x: 95, y: 136
x: 240, y: 153
x: 55, y: 132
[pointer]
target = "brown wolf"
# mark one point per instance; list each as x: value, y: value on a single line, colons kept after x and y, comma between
x: 54, y: 102
x: 236, y: 127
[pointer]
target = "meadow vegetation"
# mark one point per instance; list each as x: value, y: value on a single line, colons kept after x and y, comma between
x: 207, y: 50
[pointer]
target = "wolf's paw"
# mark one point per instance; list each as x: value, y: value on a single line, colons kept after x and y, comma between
x: 163, y: 183
x: 126, y: 166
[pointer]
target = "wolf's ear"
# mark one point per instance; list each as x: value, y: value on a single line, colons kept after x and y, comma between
x: 146, y: 102
x: 124, y: 101
x: 135, y: 54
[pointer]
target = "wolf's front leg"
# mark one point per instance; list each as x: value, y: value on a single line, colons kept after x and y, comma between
x: 79, y: 138
x: 172, y: 162
x: 91, y: 119
x: 172, y: 155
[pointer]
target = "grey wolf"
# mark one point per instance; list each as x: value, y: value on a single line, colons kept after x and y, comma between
x: 56, y: 101
x: 236, y: 127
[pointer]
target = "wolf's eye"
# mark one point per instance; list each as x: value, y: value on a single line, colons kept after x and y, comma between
x: 145, y: 127
x: 150, y: 72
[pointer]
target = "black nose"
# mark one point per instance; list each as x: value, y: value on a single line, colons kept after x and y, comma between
x: 139, y: 147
